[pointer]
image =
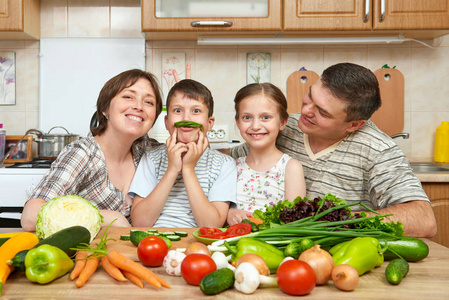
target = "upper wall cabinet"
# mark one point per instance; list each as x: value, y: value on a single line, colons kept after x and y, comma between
x: 19, y: 19
x: 186, y: 19
x: 414, y: 18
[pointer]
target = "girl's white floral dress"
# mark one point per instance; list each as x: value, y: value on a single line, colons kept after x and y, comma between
x: 255, y: 189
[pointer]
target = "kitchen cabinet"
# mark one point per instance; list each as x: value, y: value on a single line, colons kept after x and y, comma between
x: 413, y: 18
x: 19, y: 19
x: 438, y: 193
x: 186, y: 19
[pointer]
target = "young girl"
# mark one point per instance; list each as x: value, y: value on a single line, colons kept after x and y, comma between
x: 266, y: 175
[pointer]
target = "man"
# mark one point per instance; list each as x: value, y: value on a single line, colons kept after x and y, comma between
x: 345, y: 154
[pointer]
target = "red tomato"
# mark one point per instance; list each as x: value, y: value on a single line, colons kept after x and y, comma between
x: 195, y: 266
x: 151, y: 251
x: 210, y: 233
x: 238, y: 229
x: 296, y: 277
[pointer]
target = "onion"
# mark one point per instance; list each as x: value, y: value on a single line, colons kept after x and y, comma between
x: 197, y: 247
x: 345, y: 277
x: 256, y: 261
x: 320, y: 261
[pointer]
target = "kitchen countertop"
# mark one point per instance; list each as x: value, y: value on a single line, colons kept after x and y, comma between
x: 433, y: 177
x: 427, y: 278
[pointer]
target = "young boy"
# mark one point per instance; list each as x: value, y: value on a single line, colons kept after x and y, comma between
x: 184, y: 183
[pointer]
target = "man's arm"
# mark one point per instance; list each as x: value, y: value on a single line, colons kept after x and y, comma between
x: 416, y: 216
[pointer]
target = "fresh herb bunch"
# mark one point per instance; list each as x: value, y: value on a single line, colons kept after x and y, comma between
x: 286, y: 211
x: 185, y: 123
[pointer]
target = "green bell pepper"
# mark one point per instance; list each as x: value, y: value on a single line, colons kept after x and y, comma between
x: 363, y: 253
x: 272, y: 256
x: 46, y: 263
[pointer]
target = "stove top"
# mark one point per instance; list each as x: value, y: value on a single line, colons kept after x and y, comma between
x: 36, y: 163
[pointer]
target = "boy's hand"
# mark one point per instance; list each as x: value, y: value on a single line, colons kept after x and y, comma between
x: 174, y: 153
x: 195, y: 151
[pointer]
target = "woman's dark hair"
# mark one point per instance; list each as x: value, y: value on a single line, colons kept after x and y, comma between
x: 114, y: 86
x: 269, y: 90
x: 357, y: 86
x: 194, y: 90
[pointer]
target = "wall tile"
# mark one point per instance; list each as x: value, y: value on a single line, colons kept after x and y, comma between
x: 423, y: 129
x: 126, y: 18
x: 88, y: 18
x: 32, y: 80
x: 53, y: 18
x: 429, y: 80
x: 216, y: 69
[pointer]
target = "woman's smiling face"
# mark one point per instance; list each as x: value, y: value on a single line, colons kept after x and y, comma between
x: 133, y: 110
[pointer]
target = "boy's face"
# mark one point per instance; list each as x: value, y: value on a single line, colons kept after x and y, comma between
x: 183, y: 108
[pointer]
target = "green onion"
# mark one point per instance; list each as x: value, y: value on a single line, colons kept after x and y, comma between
x: 186, y: 123
x: 326, y: 233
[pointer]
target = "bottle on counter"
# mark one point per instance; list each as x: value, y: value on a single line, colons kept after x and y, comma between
x: 442, y: 143
x: 2, y: 143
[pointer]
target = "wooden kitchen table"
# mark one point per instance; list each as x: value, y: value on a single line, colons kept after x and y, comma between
x: 427, y: 279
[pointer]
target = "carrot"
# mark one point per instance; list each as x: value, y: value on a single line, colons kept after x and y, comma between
x: 80, y: 263
x: 137, y: 269
x: 111, y: 269
x: 134, y: 279
x: 90, y: 268
x: 255, y: 220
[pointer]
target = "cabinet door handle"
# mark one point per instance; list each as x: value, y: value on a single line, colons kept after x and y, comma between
x: 211, y: 23
x: 367, y: 10
x: 382, y: 10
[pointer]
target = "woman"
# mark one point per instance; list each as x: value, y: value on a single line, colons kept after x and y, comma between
x: 101, y: 166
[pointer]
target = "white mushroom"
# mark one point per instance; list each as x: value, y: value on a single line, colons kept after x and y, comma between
x: 172, y: 262
x: 248, y: 279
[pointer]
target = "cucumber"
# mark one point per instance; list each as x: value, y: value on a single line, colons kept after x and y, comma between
x: 217, y: 281
x: 173, y: 237
x: 167, y: 233
x: 409, y: 248
x: 181, y: 233
x: 125, y: 237
x: 64, y: 239
x: 396, y: 270
x: 136, y: 236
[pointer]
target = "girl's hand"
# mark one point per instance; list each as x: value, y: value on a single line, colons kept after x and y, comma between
x: 175, y: 152
x: 237, y: 215
x: 175, y: 74
x: 195, y: 151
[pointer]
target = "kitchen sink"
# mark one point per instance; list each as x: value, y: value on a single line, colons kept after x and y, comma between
x: 429, y: 167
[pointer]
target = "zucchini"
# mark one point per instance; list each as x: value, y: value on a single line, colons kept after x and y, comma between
x: 64, y: 239
x: 3, y: 240
x: 396, y: 270
x: 409, y: 248
x: 181, y: 233
x: 217, y: 281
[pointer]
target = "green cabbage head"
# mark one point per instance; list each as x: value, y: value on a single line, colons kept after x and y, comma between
x: 66, y: 211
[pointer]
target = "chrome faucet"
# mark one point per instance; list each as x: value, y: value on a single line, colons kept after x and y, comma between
x: 403, y: 135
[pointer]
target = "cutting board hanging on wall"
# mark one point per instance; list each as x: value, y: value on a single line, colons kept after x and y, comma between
x: 298, y: 84
x: 390, y: 116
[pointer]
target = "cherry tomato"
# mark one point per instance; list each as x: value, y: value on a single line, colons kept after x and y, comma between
x: 296, y: 277
x: 195, y: 266
x: 151, y: 251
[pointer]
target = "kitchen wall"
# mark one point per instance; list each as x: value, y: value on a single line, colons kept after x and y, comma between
x: 223, y: 69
